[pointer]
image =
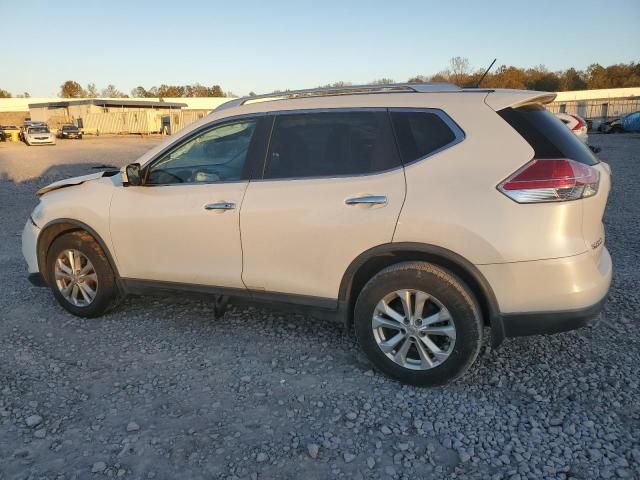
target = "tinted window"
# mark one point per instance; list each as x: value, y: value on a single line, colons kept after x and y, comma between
x: 548, y: 136
x: 420, y: 133
x: 330, y: 144
x: 217, y: 155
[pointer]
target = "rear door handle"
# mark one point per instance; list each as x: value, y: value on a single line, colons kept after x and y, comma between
x: 220, y: 206
x: 367, y: 200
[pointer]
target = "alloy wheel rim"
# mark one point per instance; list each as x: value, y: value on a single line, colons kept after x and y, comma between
x: 413, y: 329
x: 76, y: 278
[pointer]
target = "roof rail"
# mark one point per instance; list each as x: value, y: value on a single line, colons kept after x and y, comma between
x: 344, y: 90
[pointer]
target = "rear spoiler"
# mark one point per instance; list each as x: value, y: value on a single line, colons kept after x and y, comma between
x: 500, y: 99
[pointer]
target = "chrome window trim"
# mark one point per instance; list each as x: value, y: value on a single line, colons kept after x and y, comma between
x: 458, y: 132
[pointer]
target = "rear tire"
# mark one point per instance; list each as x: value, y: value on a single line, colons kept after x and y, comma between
x: 80, y: 275
x: 443, y: 329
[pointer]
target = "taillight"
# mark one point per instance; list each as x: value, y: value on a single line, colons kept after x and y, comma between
x: 551, y: 180
x: 579, y: 125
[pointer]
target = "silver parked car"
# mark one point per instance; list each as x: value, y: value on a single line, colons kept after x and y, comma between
x: 39, y: 135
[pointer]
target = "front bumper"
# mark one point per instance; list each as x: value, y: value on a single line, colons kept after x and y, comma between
x: 549, y: 296
x: 35, y: 141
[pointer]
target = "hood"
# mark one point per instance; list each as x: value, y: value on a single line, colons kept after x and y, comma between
x: 36, y: 134
x: 69, y: 182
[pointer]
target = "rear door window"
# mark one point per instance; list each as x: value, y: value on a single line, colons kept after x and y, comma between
x: 548, y: 137
x: 327, y: 144
x: 422, y: 133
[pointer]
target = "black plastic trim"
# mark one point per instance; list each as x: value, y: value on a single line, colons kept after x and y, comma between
x: 77, y: 225
x: 150, y: 287
x: 37, y: 280
x: 495, y: 320
x: 537, y: 323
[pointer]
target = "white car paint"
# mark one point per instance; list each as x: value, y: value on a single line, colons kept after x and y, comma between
x: 299, y: 237
x: 39, y: 135
x: 576, y: 124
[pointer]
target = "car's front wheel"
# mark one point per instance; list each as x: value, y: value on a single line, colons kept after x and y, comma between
x: 418, y: 323
x: 80, y: 275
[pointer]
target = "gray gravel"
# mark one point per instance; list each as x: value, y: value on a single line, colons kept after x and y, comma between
x: 160, y: 389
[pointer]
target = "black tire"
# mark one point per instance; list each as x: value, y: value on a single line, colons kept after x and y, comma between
x: 107, y: 291
x: 450, y: 291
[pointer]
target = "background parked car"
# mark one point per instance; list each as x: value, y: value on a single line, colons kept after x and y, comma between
x: 9, y: 131
x: 26, y: 125
x: 611, y: 126
x: 576, y: 124
x: 69, y: 131
x: 39, y: 135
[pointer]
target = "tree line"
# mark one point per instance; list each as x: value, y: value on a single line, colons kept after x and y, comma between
x: 459, y: 72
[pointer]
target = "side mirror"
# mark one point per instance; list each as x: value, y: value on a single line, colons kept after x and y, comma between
x: 131, y: 175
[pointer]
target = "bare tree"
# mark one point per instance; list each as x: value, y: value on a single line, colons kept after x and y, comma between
x: 92, y: 91
x: 382, y: 81
x: 459, y: 70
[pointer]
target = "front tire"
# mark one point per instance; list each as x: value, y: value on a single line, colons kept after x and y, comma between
x: 418, y: 323
x: 80, y: 276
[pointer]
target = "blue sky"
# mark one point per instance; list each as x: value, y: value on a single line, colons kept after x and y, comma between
x: 261, y: 46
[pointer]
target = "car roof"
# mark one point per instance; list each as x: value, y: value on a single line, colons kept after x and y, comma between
x: 360, y: 95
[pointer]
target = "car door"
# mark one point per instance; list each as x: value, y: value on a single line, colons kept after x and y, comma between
x: 182, y: 224
x: 333, y: 187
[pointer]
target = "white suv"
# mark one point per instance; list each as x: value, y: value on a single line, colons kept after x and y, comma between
x: 417, y: 213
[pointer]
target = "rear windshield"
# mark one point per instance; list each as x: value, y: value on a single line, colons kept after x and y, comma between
x: 547, y: 135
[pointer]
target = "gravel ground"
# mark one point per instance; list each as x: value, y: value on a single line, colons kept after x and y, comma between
x: 161, y: 389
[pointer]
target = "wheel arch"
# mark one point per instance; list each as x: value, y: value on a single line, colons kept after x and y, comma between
x: 58, y: 227
x: 372, y: 261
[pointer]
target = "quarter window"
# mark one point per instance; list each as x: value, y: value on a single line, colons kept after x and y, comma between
x: 217, y: 155
x: 328, y: 144
x: 420, y: 134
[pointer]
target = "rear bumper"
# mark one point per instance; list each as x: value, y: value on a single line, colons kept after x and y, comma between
x: 524, y: 324
x: 548, y: 296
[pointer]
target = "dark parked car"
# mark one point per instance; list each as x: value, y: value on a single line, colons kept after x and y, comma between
x: 69, y: 131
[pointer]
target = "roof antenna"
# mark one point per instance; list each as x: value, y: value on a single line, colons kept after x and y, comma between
x: 485, y: 73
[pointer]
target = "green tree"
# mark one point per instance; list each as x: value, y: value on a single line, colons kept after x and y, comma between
x: 140, y: 92
x: 71, y: 89
x: 216, y: 91
x: 572, y: 79
x: 4, y: 94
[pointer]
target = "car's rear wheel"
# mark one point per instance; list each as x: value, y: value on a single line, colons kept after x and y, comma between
x: 80, y: 275
x: 418, y: 323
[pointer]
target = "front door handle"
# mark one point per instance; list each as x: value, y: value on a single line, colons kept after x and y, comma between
x: 220, y: 206
x: 367, y: 200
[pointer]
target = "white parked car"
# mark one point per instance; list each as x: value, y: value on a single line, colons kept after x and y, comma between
x: 419, y: 214
x: 576, y: 124
x: 39, y: 135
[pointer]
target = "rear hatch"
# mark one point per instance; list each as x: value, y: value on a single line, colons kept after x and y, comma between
x: 553, y: 142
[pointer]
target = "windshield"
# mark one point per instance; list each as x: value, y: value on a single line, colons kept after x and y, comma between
x: 38, y: 130
x: 69, y: 127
